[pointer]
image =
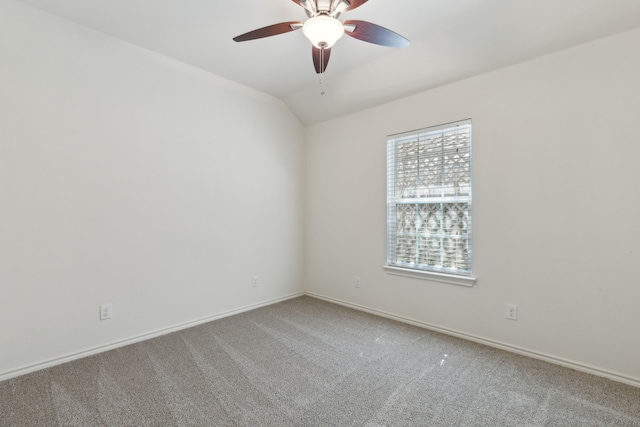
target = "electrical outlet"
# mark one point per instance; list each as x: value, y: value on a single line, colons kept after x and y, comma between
x: 357, y: 282
x: 512, y: 312
x: 254, y: 281
x: 106, y: 311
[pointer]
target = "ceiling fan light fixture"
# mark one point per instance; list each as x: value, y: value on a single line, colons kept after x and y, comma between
x: 323, y: 31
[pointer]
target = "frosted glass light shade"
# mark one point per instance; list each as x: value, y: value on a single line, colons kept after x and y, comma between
x: 323, y: 31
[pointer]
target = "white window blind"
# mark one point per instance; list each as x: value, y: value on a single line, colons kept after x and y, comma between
x: 429, y: 199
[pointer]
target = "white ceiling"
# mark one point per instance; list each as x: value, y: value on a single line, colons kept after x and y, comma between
x: 451, y: 40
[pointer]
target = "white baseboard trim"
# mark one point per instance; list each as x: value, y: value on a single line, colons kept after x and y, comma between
x: 492, y: 343
x: 138, y: 338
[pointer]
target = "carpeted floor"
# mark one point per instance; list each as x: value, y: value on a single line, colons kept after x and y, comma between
x: 306, y: 362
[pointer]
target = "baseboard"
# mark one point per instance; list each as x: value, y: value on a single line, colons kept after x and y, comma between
x: 138, y: 338
x: 492, y: 343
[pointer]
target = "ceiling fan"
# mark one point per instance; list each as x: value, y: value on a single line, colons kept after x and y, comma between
x: 323, y: 29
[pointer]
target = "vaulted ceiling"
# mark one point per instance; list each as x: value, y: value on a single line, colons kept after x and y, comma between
x: 451, y: 40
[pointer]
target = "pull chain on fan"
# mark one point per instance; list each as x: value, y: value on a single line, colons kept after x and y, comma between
x: 322, y: 68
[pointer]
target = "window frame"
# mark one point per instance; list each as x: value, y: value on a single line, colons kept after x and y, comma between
x: 463, y: 277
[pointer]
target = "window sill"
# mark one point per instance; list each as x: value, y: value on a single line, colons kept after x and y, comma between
x: 430, y: 275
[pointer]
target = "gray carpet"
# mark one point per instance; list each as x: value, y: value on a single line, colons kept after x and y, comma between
x: 306, y: 362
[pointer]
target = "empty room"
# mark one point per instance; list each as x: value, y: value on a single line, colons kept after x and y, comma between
x: 319, y: 213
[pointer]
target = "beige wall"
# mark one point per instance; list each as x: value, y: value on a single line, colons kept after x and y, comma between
x: 132, y: 179
x: 556, y: 196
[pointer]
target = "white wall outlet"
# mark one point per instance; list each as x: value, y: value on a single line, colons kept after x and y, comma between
x: 254, y: 281
x: 106, y: 311
x: 512, y: 312
x: 357, y: 282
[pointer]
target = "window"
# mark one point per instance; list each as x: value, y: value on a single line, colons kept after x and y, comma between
x: 429, y: 200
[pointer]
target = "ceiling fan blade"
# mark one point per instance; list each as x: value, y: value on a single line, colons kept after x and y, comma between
x: 355, y: 3
x: 372, y: 33
x: 320, y: 59
x: 271, y: 30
